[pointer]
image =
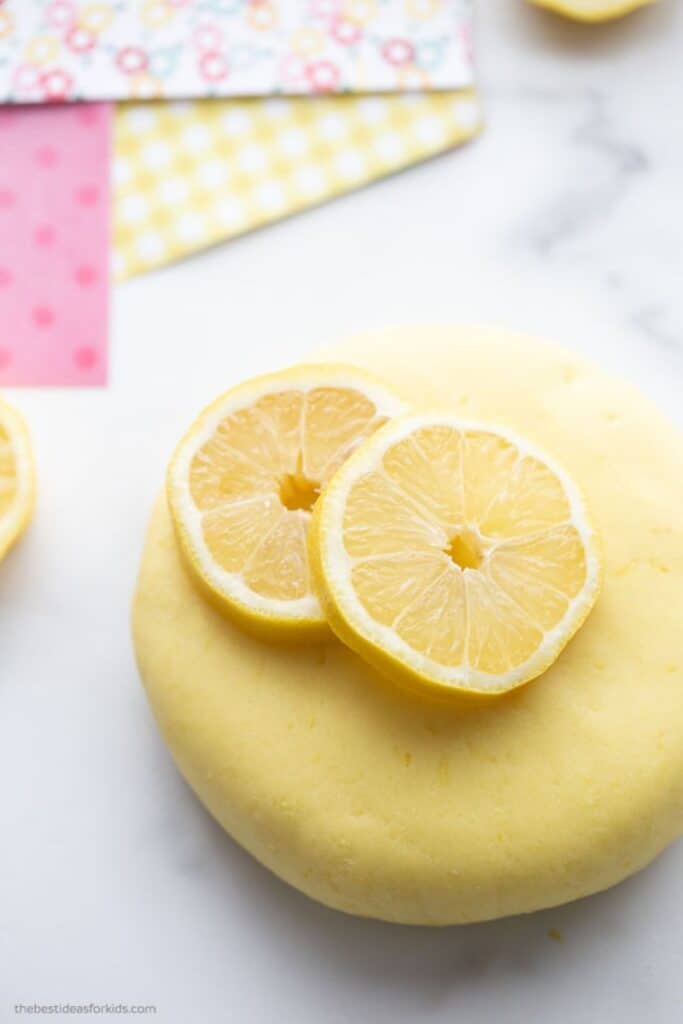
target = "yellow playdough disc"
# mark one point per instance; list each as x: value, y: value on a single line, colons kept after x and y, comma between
x: 411, y: 809
x: 592, y: 10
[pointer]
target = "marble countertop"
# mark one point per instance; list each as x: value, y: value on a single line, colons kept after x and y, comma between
x: 565, y: 220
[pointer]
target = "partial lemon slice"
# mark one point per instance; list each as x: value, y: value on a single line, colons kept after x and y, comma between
x: 243, y: 481
x: 592, y: 10
x: 453, y: 555
x: 17, y: 477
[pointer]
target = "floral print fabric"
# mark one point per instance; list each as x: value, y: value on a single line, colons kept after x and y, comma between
x: 52, y: 50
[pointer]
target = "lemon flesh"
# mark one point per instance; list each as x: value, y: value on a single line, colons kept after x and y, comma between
x: 454, y: 554
x: 243, y: 482
x: 592, y: 10
x: 391, y: 805
x: 17, y: 477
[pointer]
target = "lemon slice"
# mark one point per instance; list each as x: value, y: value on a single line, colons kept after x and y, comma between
x: 17, y: 478
x: 243, y: 481
x: 592, y: 10
x: 453, y: 555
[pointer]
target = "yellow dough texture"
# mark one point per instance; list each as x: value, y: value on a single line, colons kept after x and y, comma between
x: 411, y: 809
x: 592, y: 10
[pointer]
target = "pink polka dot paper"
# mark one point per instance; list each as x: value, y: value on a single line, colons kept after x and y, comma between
x: 54, y: 244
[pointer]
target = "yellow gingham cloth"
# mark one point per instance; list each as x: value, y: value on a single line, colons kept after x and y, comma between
x: 188, y: 175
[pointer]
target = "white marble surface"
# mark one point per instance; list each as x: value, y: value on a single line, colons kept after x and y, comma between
x: 565, y: 219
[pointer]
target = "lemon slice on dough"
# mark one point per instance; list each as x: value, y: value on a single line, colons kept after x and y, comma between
x: 243, y: 482
x: 453, y: 555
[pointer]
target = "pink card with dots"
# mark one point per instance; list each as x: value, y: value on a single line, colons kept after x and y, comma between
x: 54, y: 244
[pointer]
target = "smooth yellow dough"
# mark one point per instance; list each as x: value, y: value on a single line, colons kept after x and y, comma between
x: 392, y: 806
x: 592, y: 10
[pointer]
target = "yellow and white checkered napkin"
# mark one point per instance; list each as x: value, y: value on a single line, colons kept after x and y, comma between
x: 188, y: 175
